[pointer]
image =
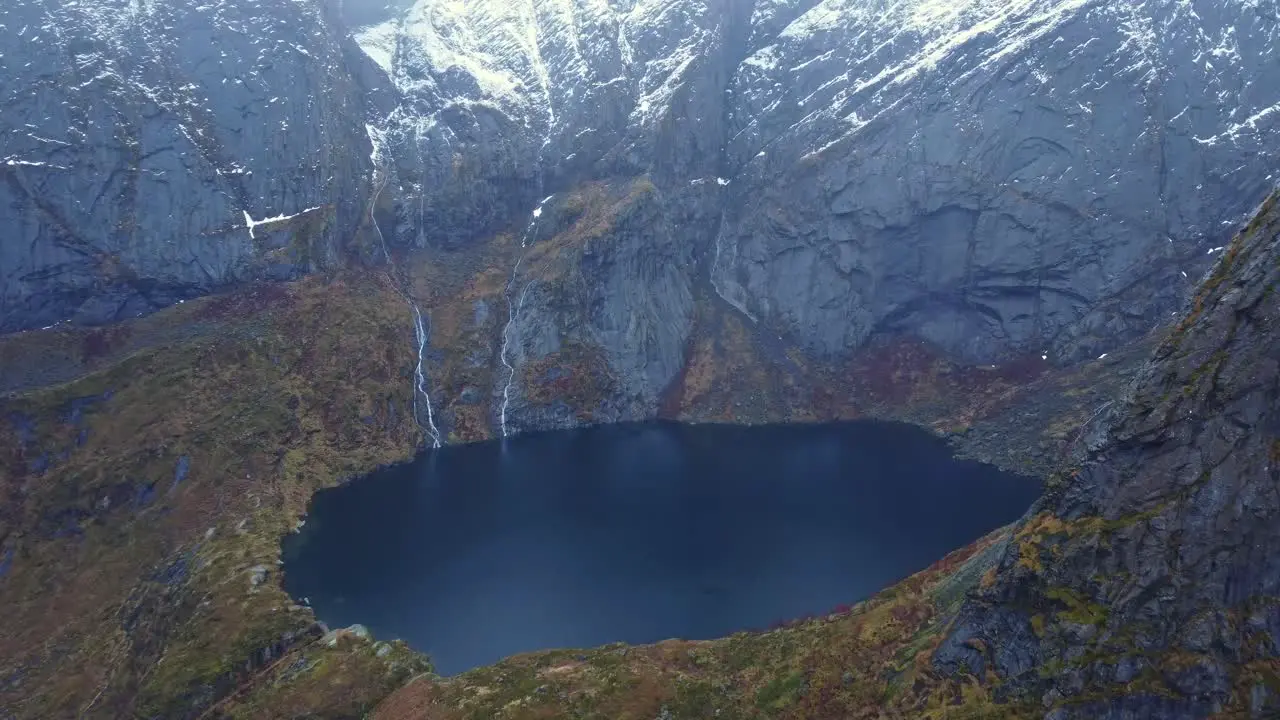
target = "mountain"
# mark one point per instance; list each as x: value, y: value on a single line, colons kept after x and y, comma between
x: 999, y: 180
x: 156, y: 151
x: 996, y: 177
x: 1146, y: 583
x: 986, y: 217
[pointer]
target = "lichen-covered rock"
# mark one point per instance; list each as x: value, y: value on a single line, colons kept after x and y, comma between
x: 1147, y: 582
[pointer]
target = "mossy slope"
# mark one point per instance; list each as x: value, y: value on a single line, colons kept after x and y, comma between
x: 145, y: 501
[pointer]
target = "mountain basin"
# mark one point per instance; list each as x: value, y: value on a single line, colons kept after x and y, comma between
x: 637, y: 533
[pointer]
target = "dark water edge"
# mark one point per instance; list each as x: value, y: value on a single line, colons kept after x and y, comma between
x: 637, y: 533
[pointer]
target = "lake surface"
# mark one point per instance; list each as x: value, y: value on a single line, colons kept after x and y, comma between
x: 637, y: 533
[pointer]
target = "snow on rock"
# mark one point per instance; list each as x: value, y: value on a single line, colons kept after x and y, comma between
x: 379, y: 42
x: 975, y: 172
x: 250, y: 223
x: 951, y: 150
x: 152, y: 112
x: 992, y: 176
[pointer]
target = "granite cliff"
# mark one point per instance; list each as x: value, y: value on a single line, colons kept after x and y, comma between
x: 158, y: 151
x: 994, y: 182
x: 998, y: 180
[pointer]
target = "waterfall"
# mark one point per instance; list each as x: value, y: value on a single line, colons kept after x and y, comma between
x: 381, y: 178
x: 420, y: 377
x: 513, y: 311
x: 539, y: 68
x: 740, y: 303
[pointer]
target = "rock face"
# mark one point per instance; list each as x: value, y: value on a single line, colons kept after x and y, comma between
x: 1151, y: 576
x: 600, y: 307
x: 148, y: 144
x: 999, y: 179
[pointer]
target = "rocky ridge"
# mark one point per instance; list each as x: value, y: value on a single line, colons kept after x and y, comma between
x: 1145, y: 584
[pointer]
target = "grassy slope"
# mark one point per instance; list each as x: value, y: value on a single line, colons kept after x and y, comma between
x: 172, y: 475
x: 1025, y: 416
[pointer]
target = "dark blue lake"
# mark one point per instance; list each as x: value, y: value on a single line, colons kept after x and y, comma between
x: 637, y: 533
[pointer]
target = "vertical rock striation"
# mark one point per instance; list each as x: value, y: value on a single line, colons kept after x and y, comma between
x: 156, y: 150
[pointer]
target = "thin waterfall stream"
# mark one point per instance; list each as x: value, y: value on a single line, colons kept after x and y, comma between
x: 380, y: 179
x: 513, y: 311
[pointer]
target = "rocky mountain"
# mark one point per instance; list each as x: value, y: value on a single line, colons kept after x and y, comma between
x: 157, y: 150
x: 1146, y: 583
x: 998, y: 179
x: 523, y: 214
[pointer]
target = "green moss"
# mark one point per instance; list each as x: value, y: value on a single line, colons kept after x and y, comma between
x: 781, y: 691
x: 1079, y: 610
x: 1207, y: 369
x: 1037, y: 624
x: 696, y: 699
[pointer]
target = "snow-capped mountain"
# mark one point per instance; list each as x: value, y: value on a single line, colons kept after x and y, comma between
x: 996, y: 177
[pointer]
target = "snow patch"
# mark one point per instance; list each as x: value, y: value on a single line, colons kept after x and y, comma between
x: 251, y: 224
x: 379, y: 42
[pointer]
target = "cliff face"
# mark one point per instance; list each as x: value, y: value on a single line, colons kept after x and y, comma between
x: 995, y: 180
x: 147, y: 146
x: 998, y: 178
x: 1147, y: 583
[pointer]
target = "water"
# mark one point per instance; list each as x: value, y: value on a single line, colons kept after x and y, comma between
x: 513, y: 311
x: 637, y: 533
